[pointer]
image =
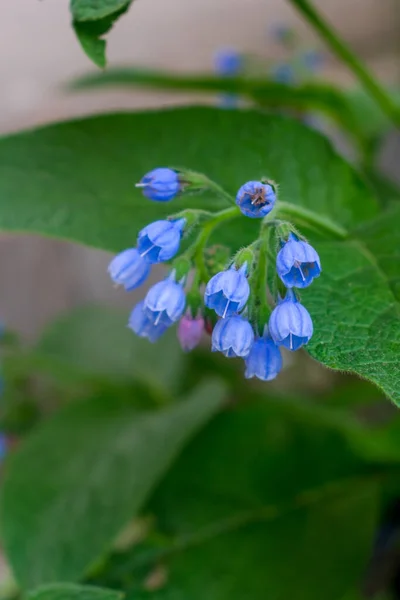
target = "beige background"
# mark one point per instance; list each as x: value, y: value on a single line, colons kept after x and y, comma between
x: 39, y: 53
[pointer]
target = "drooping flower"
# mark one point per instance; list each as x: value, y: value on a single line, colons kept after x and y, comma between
x: 264, y: 360
x: 290, y: 324
x: 165, y: 301
x: 159, y: 241
x: 297, y: 263
x: 256, y: 199
x: 233, y: 337
x: 190, y: 331
x: 228, y: 291
x: 161, y: 184
x: 129, y: 269
x: 140, y: 323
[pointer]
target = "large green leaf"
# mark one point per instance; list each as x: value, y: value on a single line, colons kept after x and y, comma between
x: 76, y: 180
x: 263, y: 504
x: 69, y: 591
x: 83, y: 475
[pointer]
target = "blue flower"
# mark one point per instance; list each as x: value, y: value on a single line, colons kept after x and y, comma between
x: 290, y: 324
x: 256, y: 199
x: 159, y: 241
x: 233, y: 337
x: 140, y: 323
x: 297, y: 263
x: 165, y: 301
x: 227, y: 292
x: 160, y: 184
x: 228, y: 62
x: 264, y: 360
x: 129, y: 269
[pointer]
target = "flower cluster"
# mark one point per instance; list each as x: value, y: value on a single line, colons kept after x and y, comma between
x: 234, y: 306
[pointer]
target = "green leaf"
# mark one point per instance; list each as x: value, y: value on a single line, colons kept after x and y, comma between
x: 92, y: 44
x: 69, y: 591
x: 263, y: 504
x: 76, y: 180
x: 356, y: 316
x: 95, y: 341
x: 92, y: 19
x: 94, y: 10
x: 382, y: 238
x: 81, y: 476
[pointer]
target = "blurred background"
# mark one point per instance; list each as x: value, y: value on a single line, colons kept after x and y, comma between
x: 42, y: 278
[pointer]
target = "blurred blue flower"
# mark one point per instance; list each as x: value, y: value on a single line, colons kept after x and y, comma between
x: 264, y: 360
x: 161, y: 184
x: 140, y: 323
x: 283, y: 73
x: 129, y: 269
x: 290, y: 324
x: 159, y: 241
x: 297, y: 263
x: 233, y: 337
x: 228, y: 62
x: 313, y: 60
x: 256, y: 199
x: 165, y: 301
x: 228, y: 291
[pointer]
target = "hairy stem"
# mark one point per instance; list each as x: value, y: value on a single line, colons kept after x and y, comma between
x: 197, y: 249
x: 303, y: 216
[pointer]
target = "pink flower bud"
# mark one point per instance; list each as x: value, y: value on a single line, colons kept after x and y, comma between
x: 190, y: 331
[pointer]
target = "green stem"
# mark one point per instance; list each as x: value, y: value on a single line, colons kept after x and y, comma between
x: 220, y: 191
x: 376, y: 90
x: 197, y: 249
x: 262, y: 279
x: 300, y: 215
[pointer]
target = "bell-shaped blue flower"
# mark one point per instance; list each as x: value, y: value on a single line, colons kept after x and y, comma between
x: 143, y: 326
x: 228, y: 291
x: 297, y: 263
x: 233, y: 337
x: 264, y: 360
x: 256, y: 199
x: 129, y: 269
x: 159, y: 241
x: 165, y: 301
x: 290, y: 324
x: 160, y: 184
